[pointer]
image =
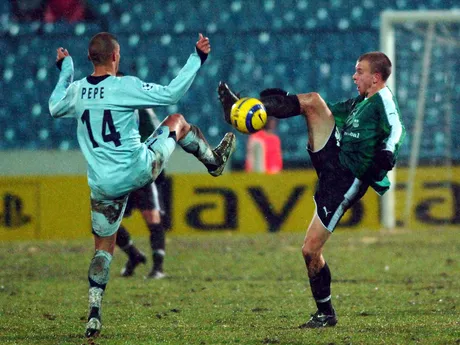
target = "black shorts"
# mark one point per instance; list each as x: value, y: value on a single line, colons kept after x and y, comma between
x: 337, y: 189
x: 144, y: 198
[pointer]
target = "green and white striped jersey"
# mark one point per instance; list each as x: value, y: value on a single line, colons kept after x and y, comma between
x: 366, y: 125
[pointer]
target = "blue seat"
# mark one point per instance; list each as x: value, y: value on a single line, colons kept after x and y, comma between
x: 298, y: 45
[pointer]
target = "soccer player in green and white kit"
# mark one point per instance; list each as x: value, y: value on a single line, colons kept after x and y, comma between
x: 118, y: 163
x: 352, y: 145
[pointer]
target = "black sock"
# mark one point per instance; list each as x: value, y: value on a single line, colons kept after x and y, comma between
x: 321, y: 288
x: 157, y: 243
x: 125, y: 243
x: 281, y: 106
x: 94, y: 312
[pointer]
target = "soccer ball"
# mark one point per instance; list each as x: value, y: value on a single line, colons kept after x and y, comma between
x: 248, y: 115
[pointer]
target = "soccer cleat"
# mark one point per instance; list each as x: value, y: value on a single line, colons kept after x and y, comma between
x: 93, y: 327
x: 223, y: 152
x: 320, y: 320
x: 156, y: 275
x: 131, y: 265
x: 227, y: 98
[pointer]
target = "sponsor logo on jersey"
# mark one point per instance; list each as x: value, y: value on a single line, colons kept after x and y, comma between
x: 351, y: 117
x: 351, y: 134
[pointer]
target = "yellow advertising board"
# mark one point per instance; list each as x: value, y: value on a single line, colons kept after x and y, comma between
x: 59, y: 208
x: 20, y: 205
x: 254, y: 203
x: 44, y: 208
x: 436, y: 198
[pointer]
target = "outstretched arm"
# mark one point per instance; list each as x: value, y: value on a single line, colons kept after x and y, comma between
x: 60, y: 100
x: 142, y: 94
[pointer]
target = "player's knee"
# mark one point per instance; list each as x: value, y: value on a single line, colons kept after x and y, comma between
x: 310, y: 252
x: 307, y: 253
x: 311, y: 102
x: 310, y: 97
x: 178, y: 124
x: 177, y: 118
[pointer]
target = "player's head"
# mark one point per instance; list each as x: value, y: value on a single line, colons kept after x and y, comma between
x: 104, y: 50
x: 372, y: 71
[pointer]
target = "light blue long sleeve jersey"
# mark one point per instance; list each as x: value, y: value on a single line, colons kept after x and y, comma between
x: 108, y: 134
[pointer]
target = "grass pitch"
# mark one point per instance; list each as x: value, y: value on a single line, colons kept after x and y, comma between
x: 388, y: 288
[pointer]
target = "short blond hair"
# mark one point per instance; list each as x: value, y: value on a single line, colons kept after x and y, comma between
x: 379, y: 63
x: 101, y: 47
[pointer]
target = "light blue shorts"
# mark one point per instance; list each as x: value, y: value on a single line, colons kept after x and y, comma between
x: 107, y: 213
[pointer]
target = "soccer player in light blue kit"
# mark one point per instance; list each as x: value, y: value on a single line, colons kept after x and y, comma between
x: 108, y: 134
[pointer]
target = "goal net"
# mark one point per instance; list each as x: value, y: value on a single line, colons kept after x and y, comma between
x: 424, y: 47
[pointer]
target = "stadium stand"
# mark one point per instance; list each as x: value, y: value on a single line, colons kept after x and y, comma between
x: 297, y: 45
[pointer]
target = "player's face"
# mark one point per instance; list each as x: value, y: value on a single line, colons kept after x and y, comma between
x: 363, y: 77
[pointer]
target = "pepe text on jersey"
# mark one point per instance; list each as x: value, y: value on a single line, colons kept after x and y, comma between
x: 92, y: 92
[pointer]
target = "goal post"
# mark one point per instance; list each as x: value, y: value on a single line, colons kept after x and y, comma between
x: 430, y: 28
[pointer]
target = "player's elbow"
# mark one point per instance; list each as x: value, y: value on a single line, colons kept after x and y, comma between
x: 53, y: 110
x: 56, y: 110
x: 173, y: 96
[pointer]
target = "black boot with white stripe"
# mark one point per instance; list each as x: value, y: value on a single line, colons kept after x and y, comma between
x: 319, y: 320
